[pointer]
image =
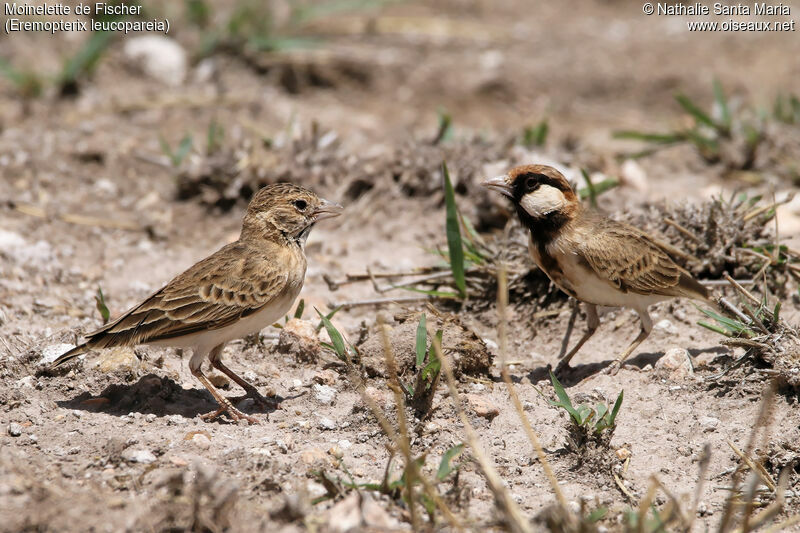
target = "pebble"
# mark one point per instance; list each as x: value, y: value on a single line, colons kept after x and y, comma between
x: 666, y: 326
x: 150, y: 418
x: 138, y: 456
x: 324, y: 393
x: 51, y: 353
x: 201, y: 441
x: 14, y: 429
x: 482, y: 407
x: 675, y: 360
x: 160, y: 58
x: 326, y: 423
x: 312, y: 455
x: 344, y: 444
x: 25, y: 383
x: 708, y: 423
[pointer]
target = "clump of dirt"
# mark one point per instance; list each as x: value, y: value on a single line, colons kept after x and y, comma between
x: 467, y: 351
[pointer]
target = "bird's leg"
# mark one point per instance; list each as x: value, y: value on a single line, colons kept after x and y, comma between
x: 570, y: 325
x: 592, y: 323
x: 250, y: 391
x: 647, y: 327
x: 225, y: 406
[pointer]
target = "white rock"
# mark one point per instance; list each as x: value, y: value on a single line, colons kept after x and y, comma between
x: 326, y: 423
x: 159, y: 57
x: 324, y: 393
x: 675, y: 360
x: 666, y: 326
x: 25, y: 383
x: 52, y: 352
x: 634, y: 175
x: 708, y: 423
x: 344, y: 444
x: 138, y: 456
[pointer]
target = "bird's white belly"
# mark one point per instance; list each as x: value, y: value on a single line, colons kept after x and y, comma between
x: 591, y: 288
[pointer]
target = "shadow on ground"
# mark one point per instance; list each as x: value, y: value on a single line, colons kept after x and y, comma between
x: 160, y: 396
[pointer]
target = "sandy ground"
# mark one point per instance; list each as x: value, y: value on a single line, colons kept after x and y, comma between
x: 115, y: 441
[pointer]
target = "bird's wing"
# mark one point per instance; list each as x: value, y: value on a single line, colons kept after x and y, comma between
x: 631, y: 261
x: 212, y: 294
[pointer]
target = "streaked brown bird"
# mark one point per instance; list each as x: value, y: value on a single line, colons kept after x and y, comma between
x: 239, y: 290
x: 590, y: 257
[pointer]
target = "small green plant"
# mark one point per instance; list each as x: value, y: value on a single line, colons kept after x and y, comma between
x: 445, y: 130
x: 595, y: 420
x: 428, y: 368
x: 786, y: 109
x: 177, y: 156
x: 535, y: 135
x: 341, y: 348
x: 102, y: 308
x: 455, y: 247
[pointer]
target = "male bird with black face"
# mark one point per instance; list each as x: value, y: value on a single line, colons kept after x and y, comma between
x: 590, y: 257
x: 239, y: 290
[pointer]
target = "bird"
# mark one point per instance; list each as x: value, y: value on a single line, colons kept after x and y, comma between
x: 237, y: 291
x: 592, y: 258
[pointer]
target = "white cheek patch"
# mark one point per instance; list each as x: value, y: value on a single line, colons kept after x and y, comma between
x: 543, y: 201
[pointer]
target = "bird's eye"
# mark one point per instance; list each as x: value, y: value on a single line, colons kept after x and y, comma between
x: 531, y: 183
x: 300, y: 204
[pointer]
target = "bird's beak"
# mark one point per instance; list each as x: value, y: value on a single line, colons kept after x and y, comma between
x: 327, y: 210
x: 499, y: 184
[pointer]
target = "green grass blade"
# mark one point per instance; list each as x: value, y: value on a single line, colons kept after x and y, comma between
x: 422, y: 340
x: 336, y: 338
x: 100, y: 302
x: 445, y: 468
x: 454, y: 244
x: 698, y: 114
x: 714, y: 328
x: 599, y: 188
x: 298, y: 312
x: 722, y: 103
x: 615, y: 410
x: 590, y: 188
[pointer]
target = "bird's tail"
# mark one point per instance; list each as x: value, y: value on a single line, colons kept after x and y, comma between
x: 72, y: 354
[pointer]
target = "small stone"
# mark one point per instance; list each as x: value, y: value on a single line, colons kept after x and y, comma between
x: 708, y: 423
x: 326, y: 423
x: 133, y: 455
x: 623, y: 454
x: 14, y: 429
x: 345, y: 444
x: 201, y: 441
x: 219, y: 381
x: 482, y: 407
x: 676, y: 361
x: 52, y: 352
x: 159, y: 57
x: 299, y: 338
x: 118, y: 358
x: 25, y: 383
x: 666, y: 326
x: 634, y: 175
x: 150, y: 418
x: 312, y: 455
x: 324, y: 393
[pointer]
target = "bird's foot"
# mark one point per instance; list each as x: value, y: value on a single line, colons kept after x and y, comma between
x: 261, y: 401
x: 562, y: 369
x: 232, y: 412
x: 613, y: 368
